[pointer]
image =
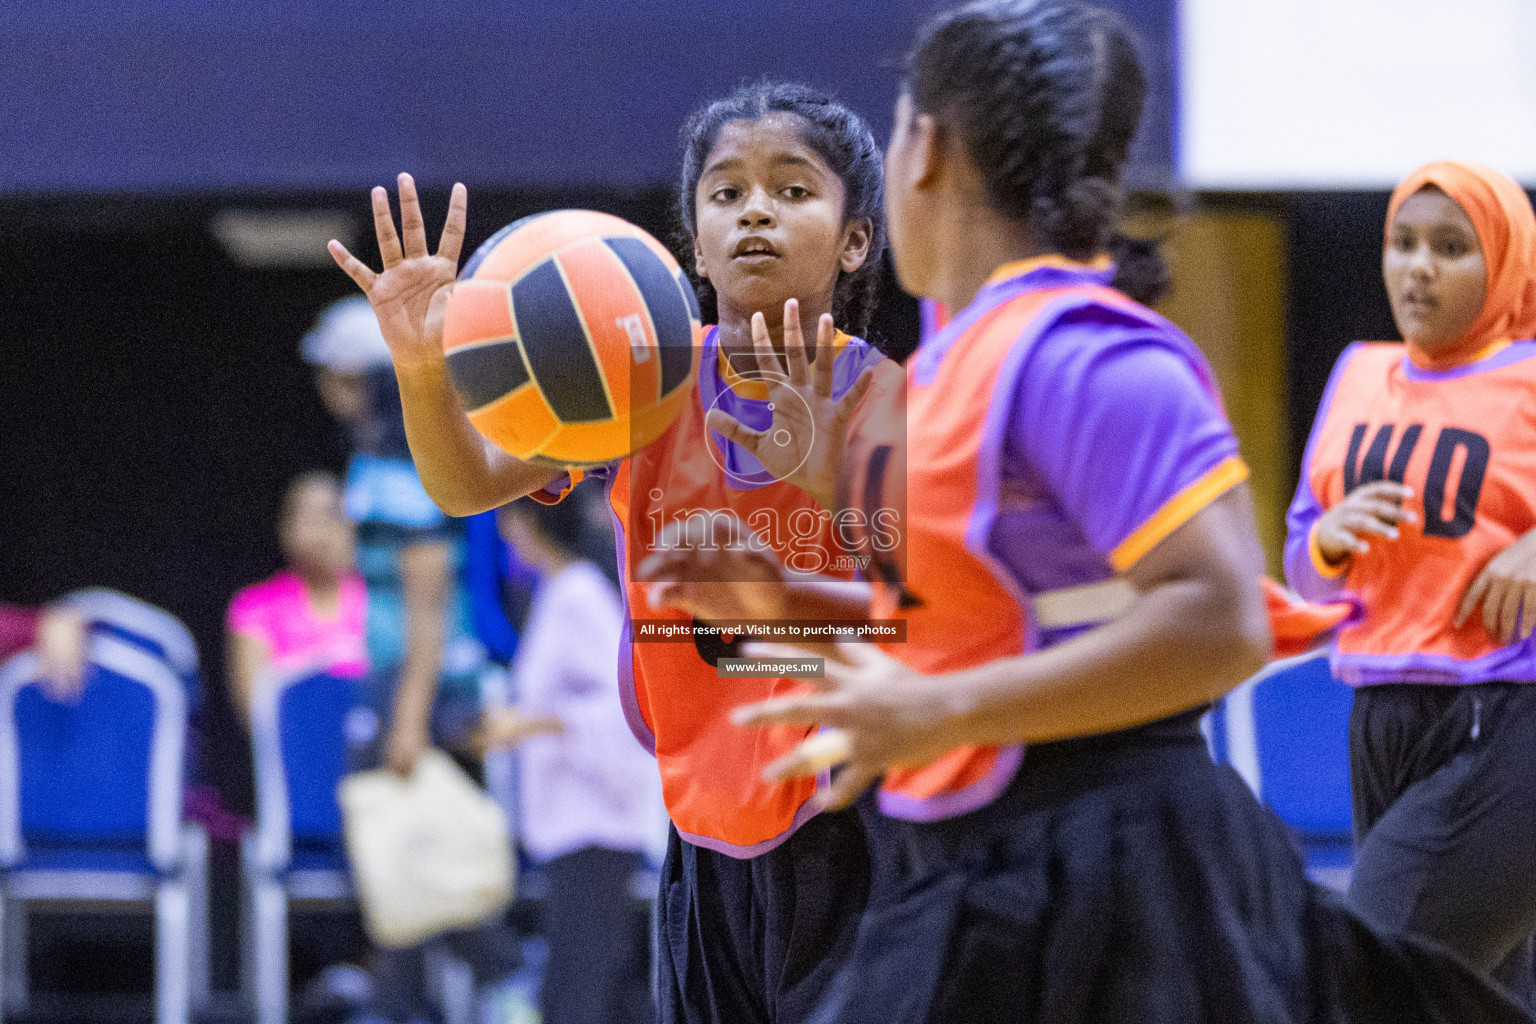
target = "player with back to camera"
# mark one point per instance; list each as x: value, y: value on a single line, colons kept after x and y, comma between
x: 1059, y: 433
x: 780, y: 194
x: 1417, y: 494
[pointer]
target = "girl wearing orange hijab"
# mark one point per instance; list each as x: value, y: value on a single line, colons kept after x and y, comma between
x: 1418, y: 494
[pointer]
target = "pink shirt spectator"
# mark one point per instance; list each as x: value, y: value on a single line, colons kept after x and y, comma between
x: 18, y: 629
x: 279, y: 613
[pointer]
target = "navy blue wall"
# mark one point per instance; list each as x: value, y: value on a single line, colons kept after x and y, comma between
x: 149, y: 95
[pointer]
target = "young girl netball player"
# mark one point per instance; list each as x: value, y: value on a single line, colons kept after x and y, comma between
x: 781, y: 193
x: 1058, y: 434
x: 1418, y: 493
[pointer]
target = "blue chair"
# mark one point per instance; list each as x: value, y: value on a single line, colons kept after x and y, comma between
x: 301, y: 721
x: 144, y: 625
x: 295, y: 857
x: 90, y: 812
x: 1286, y: 732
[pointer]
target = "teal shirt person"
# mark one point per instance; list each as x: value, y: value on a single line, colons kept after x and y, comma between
x: 384, y: 496
x: 406, y: 545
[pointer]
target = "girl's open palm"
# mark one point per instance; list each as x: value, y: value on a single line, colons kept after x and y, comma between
x: 410, y: 296
x: 804, y: 444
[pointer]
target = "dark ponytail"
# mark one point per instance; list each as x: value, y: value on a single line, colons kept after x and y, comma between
x: 841, y: 138
x: 1046, y: 97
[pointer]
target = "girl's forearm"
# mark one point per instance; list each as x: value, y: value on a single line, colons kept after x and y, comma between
x: 463, y: 472
x: 1180, y: 646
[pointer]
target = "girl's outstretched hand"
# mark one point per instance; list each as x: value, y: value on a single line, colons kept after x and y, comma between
x: 410, y: 296
x: 805, y: 442
x: 883, y: 715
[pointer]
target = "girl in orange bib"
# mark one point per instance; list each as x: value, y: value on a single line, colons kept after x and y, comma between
x: 761, y: 893
x: 1418, y: 495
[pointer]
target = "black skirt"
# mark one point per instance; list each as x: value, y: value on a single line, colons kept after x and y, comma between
x: 1127, y: 878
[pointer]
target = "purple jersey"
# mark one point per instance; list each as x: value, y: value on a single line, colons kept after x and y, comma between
x: 1111, y: 417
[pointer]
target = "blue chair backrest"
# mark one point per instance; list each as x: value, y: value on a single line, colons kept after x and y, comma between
x: 299, y: 740
x: 1301, y: 725
x: 104, y: 770
x: 144, y: 625
x: 85, y: 769
x: 312, y: 717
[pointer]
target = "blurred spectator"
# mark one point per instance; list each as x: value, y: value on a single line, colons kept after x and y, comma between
x: 57, y: 632
x: 589, y: 793
x: 314, y: 609
x: 423, y: 680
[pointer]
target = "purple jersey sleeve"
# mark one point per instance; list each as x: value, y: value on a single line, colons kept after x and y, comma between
x: 1114, y: 420
x: 1304, y: 569
x: 554, y: 492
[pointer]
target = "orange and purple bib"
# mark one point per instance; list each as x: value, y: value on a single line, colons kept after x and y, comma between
x: 1464, y: 441
x: 1056, y: 432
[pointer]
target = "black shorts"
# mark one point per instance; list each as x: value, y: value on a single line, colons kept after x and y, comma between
x: 1444, y: 786
x: 758, y: 941
x: 1127, y: 878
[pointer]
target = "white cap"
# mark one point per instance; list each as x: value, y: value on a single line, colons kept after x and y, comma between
x: 347, y: 338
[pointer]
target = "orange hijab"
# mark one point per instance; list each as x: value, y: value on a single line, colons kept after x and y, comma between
x: 1506, y: 228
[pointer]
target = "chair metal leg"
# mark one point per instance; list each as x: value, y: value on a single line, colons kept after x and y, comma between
x: 195, y: 870
x: 173, y: 947
x: 14, y: 990
x: 5, y: 960
x: 269, y: 907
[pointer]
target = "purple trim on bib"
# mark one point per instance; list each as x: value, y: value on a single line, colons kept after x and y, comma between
x: 804, y: 813
x: 1510, y: 354
x: 962, y: 801
x: 1513, y: 664
x: 629, y: 697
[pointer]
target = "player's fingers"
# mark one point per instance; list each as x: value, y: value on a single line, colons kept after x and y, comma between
x: 413, y: 229
x: 732, y: 429
x: 1523, y: 620
x: 849, y: 783
x: 1363, y: 522
x: 763, y: 355
x: 1386, y: 511
x: 677, y: 597
x: 1387, y: 490
x: 826, y: 356
x: 816, y: 754
x: 801, y: 709
x: 1474, y: 594
x: 850, y: 402
x: 661, y: 593
x: 452, y: 240
x: 1509, y: 612
x: 794, y: 344
x: 662, y: 565
x: 1493, y: 606
x: 1527, y: 611
x: 824, y: 749
x: 384, y: 227
x: 355, y: 268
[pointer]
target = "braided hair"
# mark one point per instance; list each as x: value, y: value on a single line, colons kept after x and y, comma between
x: 837, y: 135
x: 1046, y: 97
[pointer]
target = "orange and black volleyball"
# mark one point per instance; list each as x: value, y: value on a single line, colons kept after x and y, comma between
x: 571, y: 338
